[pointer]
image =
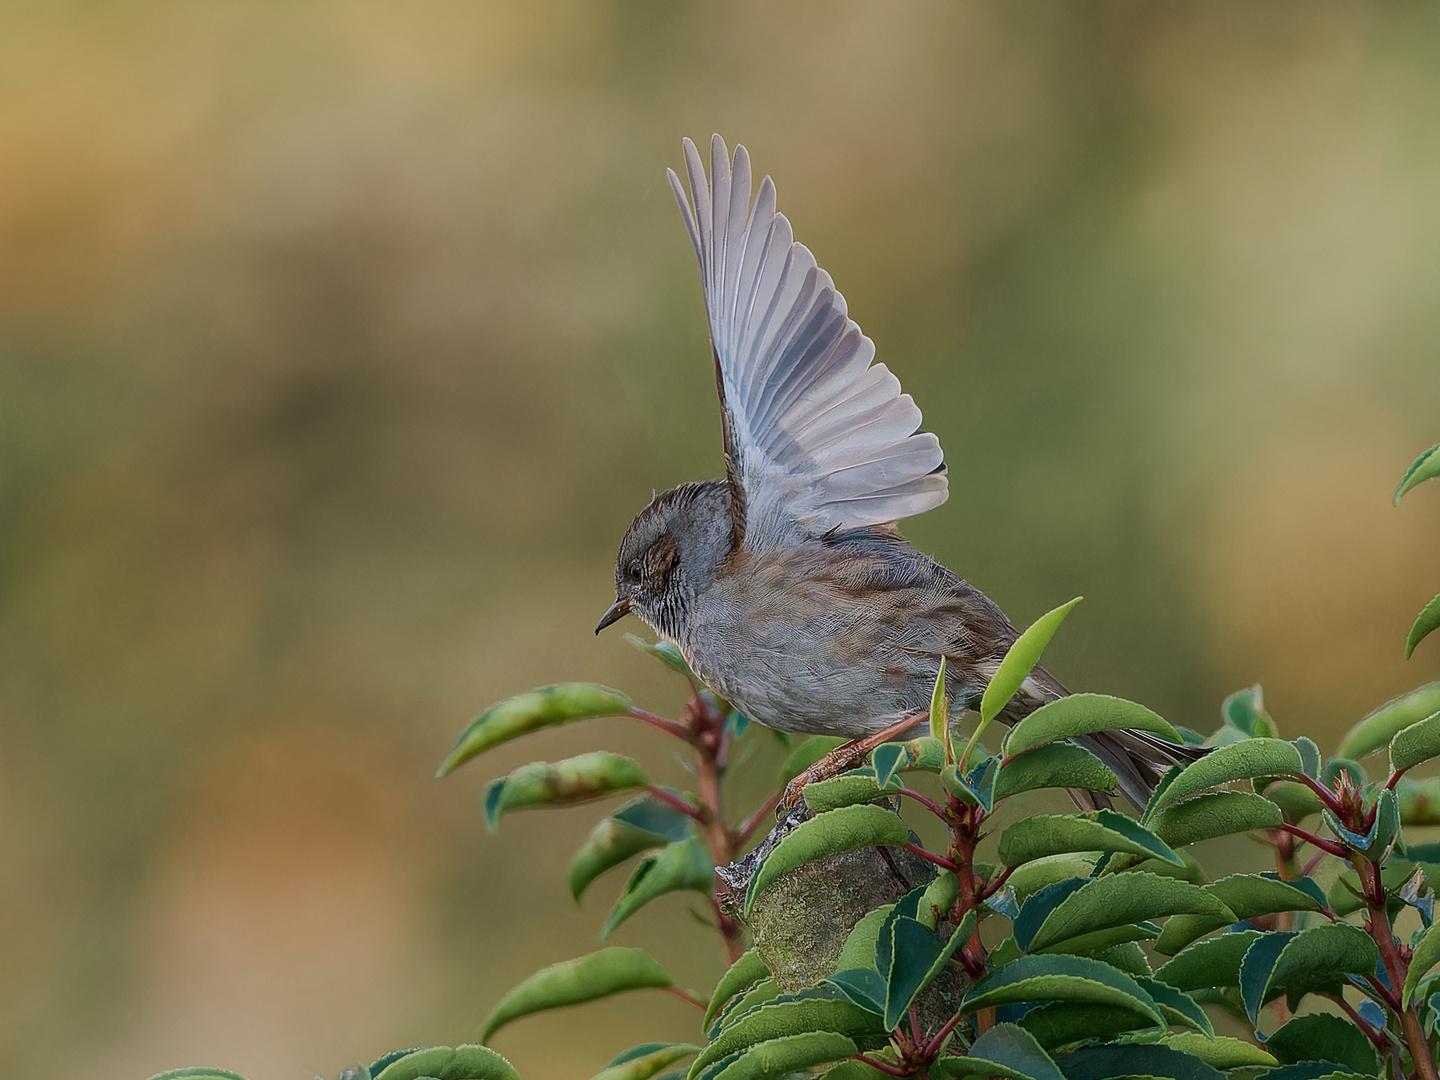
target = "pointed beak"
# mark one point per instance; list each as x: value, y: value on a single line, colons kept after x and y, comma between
x: 616, y: 612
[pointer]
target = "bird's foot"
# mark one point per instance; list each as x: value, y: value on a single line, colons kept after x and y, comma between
x: 844, y: 758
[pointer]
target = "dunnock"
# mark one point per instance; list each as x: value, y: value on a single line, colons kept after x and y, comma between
x: 786, y: 585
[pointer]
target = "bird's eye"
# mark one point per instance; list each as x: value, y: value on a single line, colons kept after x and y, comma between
x: 633, y: 571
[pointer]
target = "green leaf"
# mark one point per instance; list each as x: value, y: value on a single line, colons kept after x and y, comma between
x: 1118, y: 899
x: 1129, y: 958
x: 1208, y: 963
x: 1006, y: 1050
x: 1297, y: 962
x: 1416, y: 743
x: 1061, y: 978
x: 198, y: 1072
x: 1014, y: 668
x: 1226, y: 764
x: 1245, y: 711
x: 918, y: 956
x: 847, y: 789
x: 1082, y: 714
x: 1425, y: 623
x: 1295, y: 800
x: 1061, y: 1023
x: 845, y: 829
x: 667, y: 654
x: 1177, y: 1007
x: 746, y: 971
x: 1377, y: 729
x: 859, y: 948
x: 1376, y: 844
x: 1099, y: 830
x: 940, y: 707
x: 763, y: 992
x: 1323, y: 1037
x: 1427, y: 955
x: 937, y: 899
x: 675, y: 867
x: 546, y: 707
x: 782, y: 1057
x: 808, y: 753
x: 570, y: 982
x: 1247, y: 896
x: 443, y: 1063
x: 1419, y: 800
x: 1154, y: 1060
x: 644, y: 1066
x: 1217, y: 813
x: 1020, y: 659
x: 578, y: 779
x: 1058, y: 765
x: 643, y: 824
x: 1032, y: 877
x: 1423, y: 468
x: 781, y: 1018
x: 886, y: 761
x: 1220, y: 1050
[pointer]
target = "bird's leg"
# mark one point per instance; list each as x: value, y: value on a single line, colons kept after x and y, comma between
x: 845, y: 757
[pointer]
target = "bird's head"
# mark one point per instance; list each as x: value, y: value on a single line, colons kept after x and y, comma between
x: 671, y: 553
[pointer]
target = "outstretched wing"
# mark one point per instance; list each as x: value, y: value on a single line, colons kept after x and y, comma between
x: 815, y: 434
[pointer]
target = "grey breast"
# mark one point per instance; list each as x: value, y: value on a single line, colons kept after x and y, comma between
x: 840, y: 635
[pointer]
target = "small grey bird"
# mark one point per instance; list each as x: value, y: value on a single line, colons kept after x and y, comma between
x: 786, y: 585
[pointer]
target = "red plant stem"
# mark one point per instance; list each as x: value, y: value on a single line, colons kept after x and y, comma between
x: 1381, y: 1043
x: 694, y: 813
x: 929, y: 804
x: 935, y: 1045
x: 688, y: 998
x: 938, y: 860
x: 1396, y: 967
x: 998, y: 884
x: 670, y: 727
x: 1311, y: 863
x: 1395, y: 778
x: 1328, y: 846
x: 754, y: 821
x: 1324, y: 794
x: 884, y: 1066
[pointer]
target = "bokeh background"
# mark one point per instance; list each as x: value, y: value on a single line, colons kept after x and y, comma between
x: 339, y: 342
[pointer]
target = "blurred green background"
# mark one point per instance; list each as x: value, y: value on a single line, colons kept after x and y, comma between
x: 340, y: 341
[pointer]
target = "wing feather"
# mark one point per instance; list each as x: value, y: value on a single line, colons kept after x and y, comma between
x: 817, y: 434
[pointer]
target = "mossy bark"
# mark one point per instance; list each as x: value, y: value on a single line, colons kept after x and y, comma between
x: 799, y: 924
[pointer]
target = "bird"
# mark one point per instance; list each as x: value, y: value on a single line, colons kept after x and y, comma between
x: 786, y: 585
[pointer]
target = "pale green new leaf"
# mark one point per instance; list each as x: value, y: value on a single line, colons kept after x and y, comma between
x: 1020, y: 659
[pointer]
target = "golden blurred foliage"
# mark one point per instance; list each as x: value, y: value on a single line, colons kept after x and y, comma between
x: 340, y: 341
